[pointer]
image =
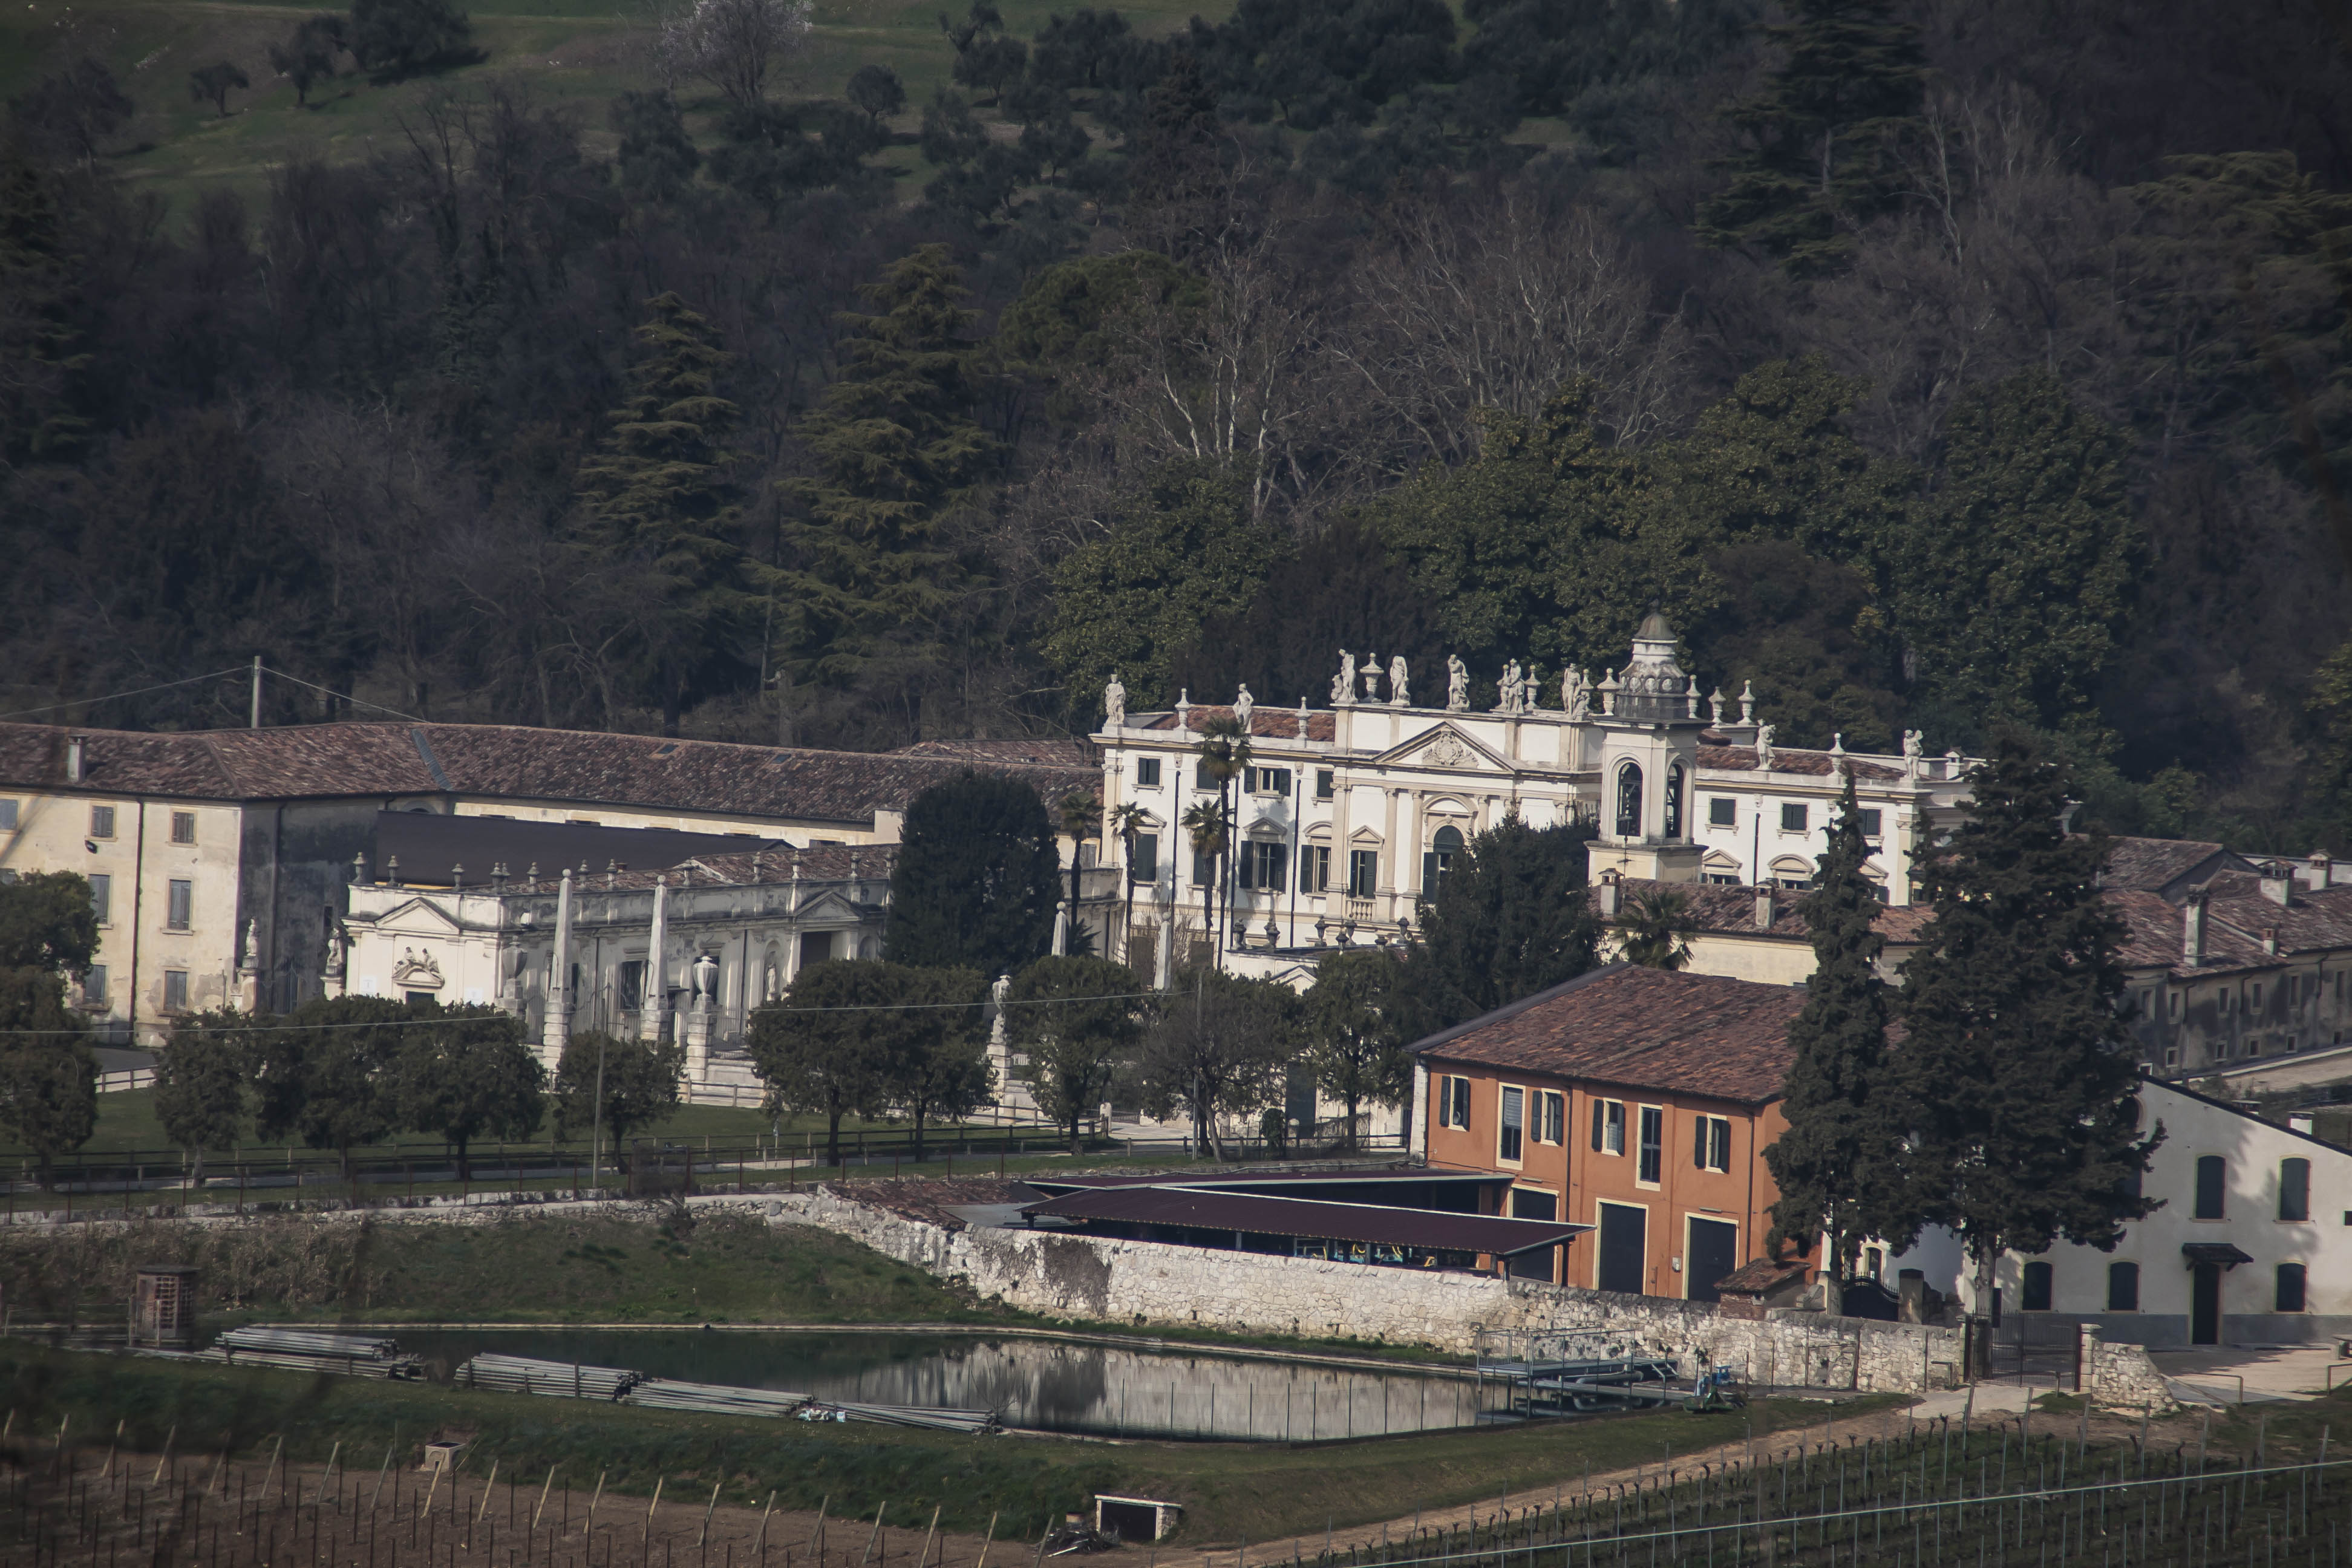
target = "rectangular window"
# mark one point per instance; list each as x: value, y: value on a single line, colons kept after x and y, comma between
x: 632, y: 986
x: 1555, y: 1118
x: 1326, y: 783
x: 1147, y: 772
x: 93, y: 987
x: 2295, y: 1189
x: 2035, y: 1297
x: 1265, y: 867
x: 1711, y: 1143
x: 1270, y: 781
x: 1454, y: 1102
x: 176, y: 991
x: 101, y: 822
x: 2290, y: 1288
x: 1870, y: 821
x: 1315, y: 868
x: 1722, y: 811
x: 1143, y: 864
x: 2211, y: 1170
x: 1792, y: 819
x: 1201, y: 779
x: 102, y: 896
x: 1363, y: 873
x: 2122, y: 1286
x: 179, y: 904
x: 1510, y: 1143
x: 1653, y: 1145
x: 184, y: 827
x: 7, y: 816
x: 1608, y: 1126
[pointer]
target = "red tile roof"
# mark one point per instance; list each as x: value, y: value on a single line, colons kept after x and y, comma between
x: 1056, y: 754
x: 1273, y: 724
x: 1742, y: 759
x: 2154, y: 864
x: 1730, y: 909
x: 508, y: 761
x: 1640, y: 1028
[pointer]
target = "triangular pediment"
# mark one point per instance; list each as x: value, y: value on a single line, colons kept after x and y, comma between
x: 1445, y: 746
x: 413, y: 913
x: 827, y: 905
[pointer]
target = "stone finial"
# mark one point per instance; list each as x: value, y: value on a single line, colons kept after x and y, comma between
x: 1748, y: 702
x: 457, y: 876
x: 1184, y: 707
x: 532, y: 875
x: 1690, y: 698
x: 392, y: 870
x: 1715, y: 708
x: 1608, y: 689
x: 1372, y: 676
x: 359, y: 867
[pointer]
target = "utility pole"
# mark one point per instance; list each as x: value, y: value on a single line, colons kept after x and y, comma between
x: 257, y: 693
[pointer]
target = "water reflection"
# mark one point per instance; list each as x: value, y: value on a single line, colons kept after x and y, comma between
x: 1048, y: 1385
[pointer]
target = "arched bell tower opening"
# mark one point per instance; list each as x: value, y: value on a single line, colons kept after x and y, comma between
x: 1650, y: 725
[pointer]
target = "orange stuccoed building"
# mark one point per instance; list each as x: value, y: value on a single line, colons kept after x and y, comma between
x: 1634, y: 1100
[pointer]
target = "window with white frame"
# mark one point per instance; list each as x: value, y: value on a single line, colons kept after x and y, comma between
x: 1315, y: 868
x: 1608, y: 1126
x: 176, y: 991
x: 101, y: 822
x: 1147, y: 772
x: 102, y: 896
x: 1510, y: 1137
x: 1552, y: 1122
x: 1711, y: 1142
x: 179, y: 904
x: 1454, y: 1102
x: 1363, y: 873
x: 1652, y: 1166
x: 1264, y: 867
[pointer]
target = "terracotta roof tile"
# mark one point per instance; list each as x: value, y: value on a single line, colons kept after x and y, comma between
x: 2152, y: 937
x: 1640, y: 1028
x: 1729, y: 908
x: 509, y: 762
x: 1273, y: 724
x: 1742, y: 759
x: 2154, y: 864
x: 1056, y: 754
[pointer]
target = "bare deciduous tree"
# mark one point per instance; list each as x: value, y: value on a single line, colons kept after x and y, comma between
x: 733, y: 43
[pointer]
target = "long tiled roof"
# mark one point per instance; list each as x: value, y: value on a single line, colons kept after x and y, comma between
x: 1640, y: 1028
x: 1731, y: 910
x: 2154, y: 864
x: 1045, y: 754
x: 1742, y: 760
x: 509, y: 762
x: 1273, y: 724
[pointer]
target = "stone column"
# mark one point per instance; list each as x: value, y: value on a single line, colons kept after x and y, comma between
x: 655, y: 1002
x: 699, y: 1019
x: 557, y: 1028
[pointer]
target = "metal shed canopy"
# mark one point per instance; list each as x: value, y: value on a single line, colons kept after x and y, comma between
x: 1434, y: 1230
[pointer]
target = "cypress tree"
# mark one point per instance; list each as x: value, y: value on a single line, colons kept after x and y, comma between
x: 896, y: 448
x: 976, y: 879
x: 1845, y: 1141
x: 660, y: 505
x: 2017, y: 1068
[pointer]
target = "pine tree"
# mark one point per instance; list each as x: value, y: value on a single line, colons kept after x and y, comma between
x: 661, y: 507
x: 2018, y: 1070
x: 896, y: 448
x: 1824, y: 135
x: 1842, y: 1150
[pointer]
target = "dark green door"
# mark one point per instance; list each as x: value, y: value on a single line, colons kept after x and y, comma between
x: 2205, y: 1304
x: 1622, y: 1248
x: 1714, y: 1253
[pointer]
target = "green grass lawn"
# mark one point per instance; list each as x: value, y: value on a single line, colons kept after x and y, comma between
x: 575, y: 55
x: 1266, y: 1492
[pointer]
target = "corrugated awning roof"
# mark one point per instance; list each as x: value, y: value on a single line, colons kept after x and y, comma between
x: 1267, y: 1180
x: 1435, y: 1230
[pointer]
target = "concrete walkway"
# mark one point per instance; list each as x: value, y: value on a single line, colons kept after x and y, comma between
x: 2251, y: 1375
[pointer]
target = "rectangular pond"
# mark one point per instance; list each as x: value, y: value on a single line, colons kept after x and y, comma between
x: 1040, y: 1384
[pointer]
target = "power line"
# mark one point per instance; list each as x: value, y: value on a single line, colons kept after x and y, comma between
x: 362, y: 701
x: 139, y: 691
x: 258, y: 1028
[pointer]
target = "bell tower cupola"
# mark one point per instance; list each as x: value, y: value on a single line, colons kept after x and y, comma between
x: 1648, y: 735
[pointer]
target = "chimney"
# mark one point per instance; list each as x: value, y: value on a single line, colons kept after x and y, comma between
x: 1609, y: 890
x: 1763, y: 905
x: 2278, y: 882
x: 2192, y: 928
x: 2323, y: 871
x: 73, y: 759
x: 2270, y: 941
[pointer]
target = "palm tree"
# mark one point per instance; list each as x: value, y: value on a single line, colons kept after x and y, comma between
x: 1205, y: 825
x: 1082, y: 820
x: 1224, y: 753
x: 1126, y: 821
x: 1654, y: 924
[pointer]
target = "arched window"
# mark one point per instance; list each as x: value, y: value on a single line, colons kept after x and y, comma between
x: 1629, y: 800
x: 1445, y: 848
x: 1674, y: 800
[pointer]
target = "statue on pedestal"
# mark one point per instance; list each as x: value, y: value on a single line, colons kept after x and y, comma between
x: 1457, y: 684
x: 1114, y: 704
x: 1243, y: 706
x: 1575, y: 695
x: 1343, y: 685
x: 1511, y: 683
x: 1398, y: 691
x: 1764, y: 747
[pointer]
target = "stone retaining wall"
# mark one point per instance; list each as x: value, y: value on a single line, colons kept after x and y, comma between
x: 1152, y: 1283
